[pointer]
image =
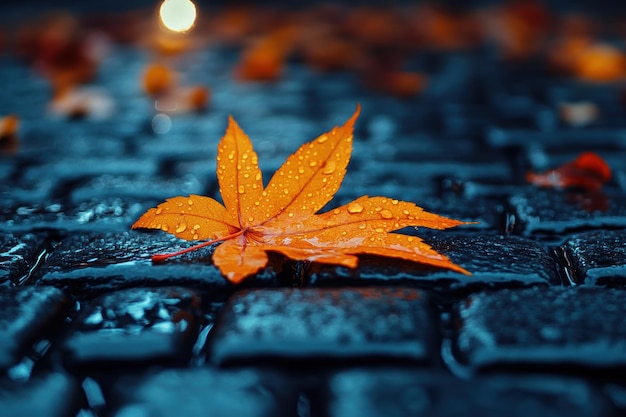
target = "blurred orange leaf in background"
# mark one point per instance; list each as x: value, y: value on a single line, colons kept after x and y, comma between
x: 588, y: 171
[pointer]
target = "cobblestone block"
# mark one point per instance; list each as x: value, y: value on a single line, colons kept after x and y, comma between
x: 197, y: 391
x: 53, y: 395
x: 546, y: 328
x: 493, y: 260
x: 25, y: 315
x: 89, y: 263
x: 105, y: 214
x: 554, y: 212
x: 597, y: 257
x: 137, y: 325
x: 402, y: 392
x: 324, y: 324
x: 18, y: 255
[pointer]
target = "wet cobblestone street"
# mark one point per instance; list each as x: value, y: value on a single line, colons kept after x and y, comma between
x: 90, y: 327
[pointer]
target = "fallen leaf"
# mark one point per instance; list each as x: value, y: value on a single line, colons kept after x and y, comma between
x: 601, y: 63
x: 158, y: 79
x: 264, y: 59
x: 589, y: 171
x: 61, y: 49
x: 282, y: 216
x: 9, y: 126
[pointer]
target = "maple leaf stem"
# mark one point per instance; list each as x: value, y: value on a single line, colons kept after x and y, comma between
x: 161, y: 257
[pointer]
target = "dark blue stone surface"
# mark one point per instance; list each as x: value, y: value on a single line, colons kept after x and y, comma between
x: 26, y: 315
x: 542, y: 328
x: 324, y: 325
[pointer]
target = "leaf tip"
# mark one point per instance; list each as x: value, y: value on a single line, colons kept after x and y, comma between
x: 355, y: 115
x: 462, y: 270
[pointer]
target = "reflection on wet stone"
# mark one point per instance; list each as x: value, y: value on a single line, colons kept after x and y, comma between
x: 18, y: 256
x: 554, y: 212
x: 597, y: 257
x: 27, y: 314
x: 136, y: 325
x: 97, y: 262
x: 495, y: 261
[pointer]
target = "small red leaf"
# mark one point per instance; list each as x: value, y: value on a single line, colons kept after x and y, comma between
x: 589, y: 171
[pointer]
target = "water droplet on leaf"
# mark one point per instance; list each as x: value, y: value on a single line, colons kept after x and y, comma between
x: 355, y: 208
x: 386, y: 214
x: 329, y: 168
x: 181, y: 228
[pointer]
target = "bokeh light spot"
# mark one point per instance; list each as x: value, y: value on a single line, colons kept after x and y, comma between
x: 178, y: 15
x: 161, y: 124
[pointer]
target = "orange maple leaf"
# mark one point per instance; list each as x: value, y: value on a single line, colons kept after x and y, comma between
x: 282, y: 216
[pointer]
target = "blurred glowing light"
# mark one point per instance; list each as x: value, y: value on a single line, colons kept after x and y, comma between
x: 178, y: 15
